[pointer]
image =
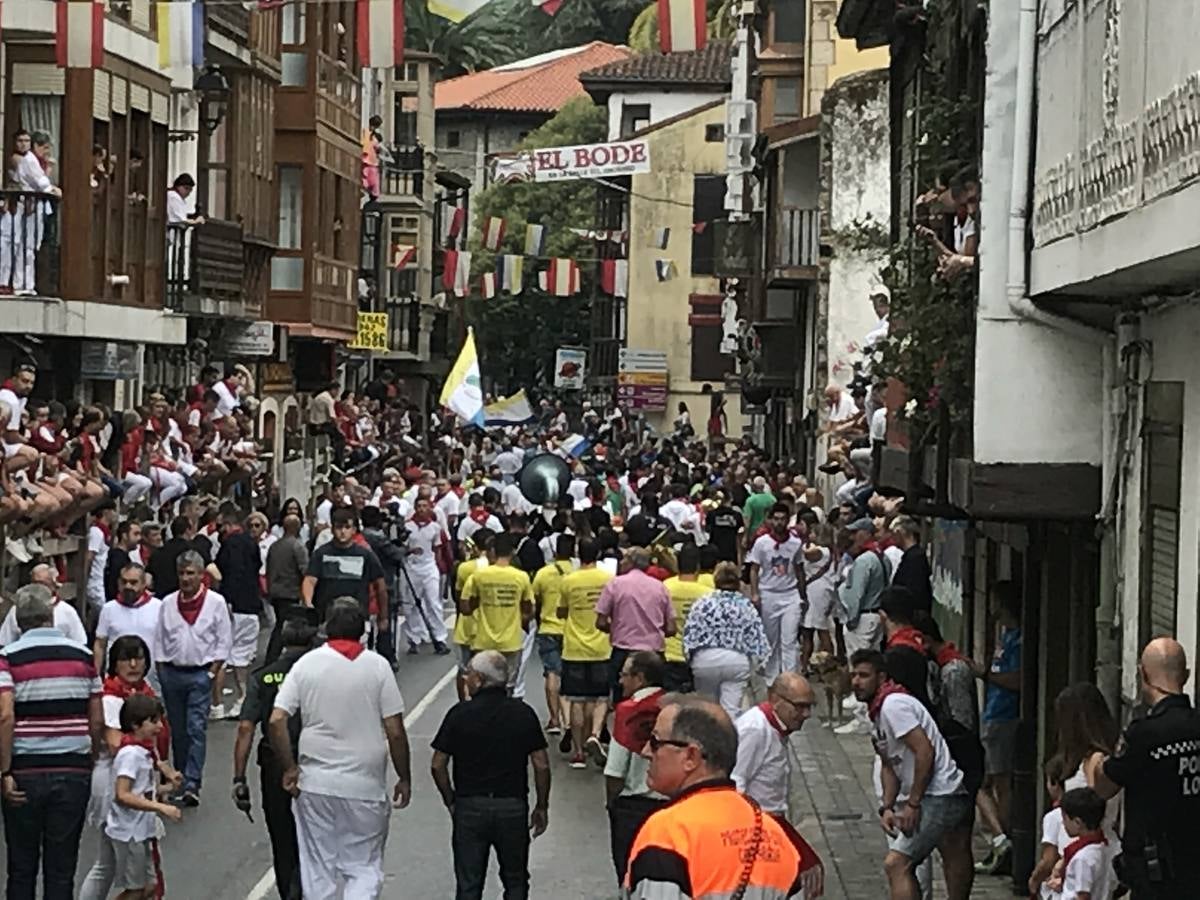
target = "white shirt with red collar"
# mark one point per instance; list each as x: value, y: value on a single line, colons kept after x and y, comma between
x: 762, y: 769
x: 209, y: 639
x: 428, y: 537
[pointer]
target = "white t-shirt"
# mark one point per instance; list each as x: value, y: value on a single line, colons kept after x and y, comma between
x: 468, y: 526
x: 15, y: 405
x: 123, y: 823
x: 684, y: 517
x: 1090, y: 870
x: 893, y: 555
x: 426, y: 538
x: 845, y: 408
x: 762, y: 770
x: 899, y: 715
x: 879, y: 424
x: 509, y: 462
x: 962, y: 231
x: 343, y: 749
x: 97, y: 544
x: 177, y: 208
x: 117, y: 620
x: 776, y: 562
x: 514, y: 501
x: 66, y: 620
x: 227, y: 401
x: 324, y: 511
x: 447, y: 505
x: 1053, y: 833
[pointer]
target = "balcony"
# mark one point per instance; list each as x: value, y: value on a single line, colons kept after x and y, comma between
x: 402, y: 174
x: 333, y: 294
x: 206, y: 270
x: 231, y: 18
x: 29, y: 249
x: 337, y: 96
x: 797, y: 244
x: 404, y: 325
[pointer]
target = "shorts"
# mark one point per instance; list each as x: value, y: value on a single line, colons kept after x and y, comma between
x: 549, y: 648
x: 134, y: 865
x: 999, y: 741
x: 939, y: 815
x: 585, y: 680
x: 245, y: 640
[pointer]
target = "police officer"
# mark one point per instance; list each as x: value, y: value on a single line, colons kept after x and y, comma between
x: 1158, y: 766
x: 299, y: 631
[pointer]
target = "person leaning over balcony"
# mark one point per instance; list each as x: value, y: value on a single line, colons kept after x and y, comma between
x: 177, y: 205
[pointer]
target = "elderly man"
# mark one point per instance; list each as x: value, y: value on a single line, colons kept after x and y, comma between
x: 193, y: 638
x: 762, y: 771
x: 700, y: 844
x: 352, y: 719
x: 66, y: 619
x: 636, y: 612
x: 46, y: 749
x: 492, y: 739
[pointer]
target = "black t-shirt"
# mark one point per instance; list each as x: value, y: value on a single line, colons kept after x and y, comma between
x: 529, y: 556
x: 913, y: 573
x: 261, y: 689
x: 1158, y: 765
x: 343, y: 572
x: 163, y: 561
x: 489, y: 739
x: 239, y: 560
x: 597, y: 517
x: 643, y: 529
x: 723, y: 525
x: 117, y: 560
x: 739, y: 494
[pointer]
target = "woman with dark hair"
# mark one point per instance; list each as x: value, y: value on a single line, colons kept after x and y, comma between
x: 291, y: 507
x: 1087, y: 734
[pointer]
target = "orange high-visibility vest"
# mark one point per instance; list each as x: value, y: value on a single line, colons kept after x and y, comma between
x: 696, y: 847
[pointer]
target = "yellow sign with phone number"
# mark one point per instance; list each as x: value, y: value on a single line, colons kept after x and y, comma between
x: 372, y: 332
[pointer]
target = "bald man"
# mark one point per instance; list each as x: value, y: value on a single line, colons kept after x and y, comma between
x: 1158, y: 765
x: 762, y: 769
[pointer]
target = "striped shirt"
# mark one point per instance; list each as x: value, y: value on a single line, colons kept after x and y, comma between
x: 52, y: 680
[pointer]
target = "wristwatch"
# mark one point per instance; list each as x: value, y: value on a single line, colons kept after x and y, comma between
x: 884, y: 809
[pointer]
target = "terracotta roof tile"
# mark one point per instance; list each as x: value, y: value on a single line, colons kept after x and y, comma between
x: 709, y: 66
x: 541, y: 87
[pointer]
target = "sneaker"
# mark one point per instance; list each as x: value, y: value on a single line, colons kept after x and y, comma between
x: 235, y: 711
x: 997, y: 859
x: 850, y: 703
x: 17, y: 550
x: 578, y: 761
x: 440, y: 649
x: 33, y: 545
x: 564, y: 745
x: 853, y: 727
x: 596, y: 751
x: 412, y: 649
x: 190, y: 798
x: 216, y: 712
x: 553, y: 729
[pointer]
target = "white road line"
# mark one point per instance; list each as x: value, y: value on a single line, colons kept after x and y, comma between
x: 266, y: 885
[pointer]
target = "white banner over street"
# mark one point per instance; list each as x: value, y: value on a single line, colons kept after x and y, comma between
x: 606, y: 160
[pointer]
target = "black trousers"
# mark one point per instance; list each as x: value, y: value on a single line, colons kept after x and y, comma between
x: 43, y: 834
x: 281, y: 825
x: 625, y: 817
x: 275, y: 642
x: 481, y: 823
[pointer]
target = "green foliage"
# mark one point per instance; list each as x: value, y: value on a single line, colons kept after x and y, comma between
x: 492, y: 36
x: 517, y: 336
x: 643, y: 33
x: 579, y: 22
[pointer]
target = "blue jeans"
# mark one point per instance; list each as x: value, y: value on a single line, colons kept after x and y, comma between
x: 45, y: 829
x: 187, y: 696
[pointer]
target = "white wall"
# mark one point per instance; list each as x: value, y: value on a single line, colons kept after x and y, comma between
x: 663, y: 105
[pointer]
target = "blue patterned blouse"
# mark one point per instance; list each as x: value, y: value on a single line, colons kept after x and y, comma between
x: 725, y: 620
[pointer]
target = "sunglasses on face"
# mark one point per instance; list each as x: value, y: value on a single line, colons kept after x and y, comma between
x: 656, y: 743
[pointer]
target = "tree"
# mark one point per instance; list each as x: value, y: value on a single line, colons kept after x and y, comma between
x: 516, y: 336
x: 492, y: 36
x: 581, y: 21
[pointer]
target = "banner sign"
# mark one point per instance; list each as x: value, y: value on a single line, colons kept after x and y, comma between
x: 605, y: 160
x: 250, y: 339
x: 372, y: 332
x: 570, y: 364
x: 642, y: 380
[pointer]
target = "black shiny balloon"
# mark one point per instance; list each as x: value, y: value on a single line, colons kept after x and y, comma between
x: 544, y: 479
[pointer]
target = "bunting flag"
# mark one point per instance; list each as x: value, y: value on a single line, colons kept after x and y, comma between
x: 462, y: 392
x: 699, y: 227
x: 462, y: 274
x: 514, y: 410
x: 614, y: 277
x: 449, y: 269
x: 535, y: 239
x: 493, y: 233
x: 682, y: 25
x: 488, y: 286
x: 664, y: 269
x: 561, y: 279
x: 456, y: 10
x: 549, y: 7
x: 180, y: 33
x: 511, y: 267
x: 402, y: 255
x: 79, y: 34
x: 660, y: 238
x: 616, y: 237
x: 457, y: 220
x: 380, y: 33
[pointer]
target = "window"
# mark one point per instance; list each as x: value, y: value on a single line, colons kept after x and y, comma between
x: 708, y: 204
x: 791, y: 21
x: 295, y: 68
x: 453, y: 138
x: 404, y: 128
x: 708, y: 363
x: 714, y: 133
x: 217, y: 174
x: 293, y: 22
x: 634, y: 117
x: 787, y: 99
x: 1161, y: 471
x: 291, y: 206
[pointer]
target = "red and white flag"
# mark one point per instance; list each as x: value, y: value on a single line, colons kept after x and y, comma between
x: 402, y: 255
x: 549, y: 7
x: 682, y: 25
x: 380, y: 33
x: 79, y: 34
x: 457, y: 220
x: 449, y: 269
x: 493, y: 233
x: 462, y: 274
x: 561, y: 279
x: 488, y: 287
x: 614, y: 277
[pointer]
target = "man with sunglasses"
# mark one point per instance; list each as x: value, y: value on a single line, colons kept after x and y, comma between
x: 762, y: 771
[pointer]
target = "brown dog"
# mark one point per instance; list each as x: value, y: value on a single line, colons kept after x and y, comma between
x: 828, y: 671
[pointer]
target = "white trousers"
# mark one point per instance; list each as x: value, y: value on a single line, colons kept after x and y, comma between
x: 168, y: 485
x: 427, y: 582
x: 866, y: 635
x: 137, y: 486
x: 722, y: 675
x: 781, y: 622
x: 341, y: 842
x: 526, y: 653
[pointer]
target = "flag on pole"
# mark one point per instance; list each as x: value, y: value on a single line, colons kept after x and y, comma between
x: 514, y: 410
x: 614, y: 277
x: 462, y: 274
x: 660, y: 238
x: 561, y: 279
x: 511, y: 267
x: 664, y: 269
x: 455, y: 10
x: 488, y: 287
x: 535, y: 239
x: 682, y: 25
x: 493, y: 233
x: 462, y: 392
x: 380, y: 33
x: 458, y: 219
x: 549, y: 7
x: 180, y: 33
x: 449, y: 269
x: 575, y: 445
x: 402, y: 255
x: 79, y: 34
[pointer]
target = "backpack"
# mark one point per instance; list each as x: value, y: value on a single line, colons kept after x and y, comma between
x: 967, y: 751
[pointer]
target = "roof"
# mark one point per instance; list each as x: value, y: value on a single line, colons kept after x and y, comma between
x: 539, y: 84
x: 708, y: 67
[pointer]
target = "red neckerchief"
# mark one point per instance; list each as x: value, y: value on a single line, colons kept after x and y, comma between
x: 886, y: 690
x: 480, y: 516
x: 142, y: 600
x: 1084, y: 840
x: 145, y: 551
x: 190, y: 608
x: 423, y: 520
x: 787, y: 536
x: 234, y: 529
x: 773, y: 718
x: 948, y: 654
x: 633, y: 720
x: 360, y: 539
x: 128, y: 740
x: 907, y: 637
x: 658, y: 572
x: 104, y: 530
x: 345, y: 646
x: 119, y: 687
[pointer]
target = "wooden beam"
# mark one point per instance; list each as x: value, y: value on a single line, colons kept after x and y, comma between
x: 1034, y: 491
x: 75, y: 166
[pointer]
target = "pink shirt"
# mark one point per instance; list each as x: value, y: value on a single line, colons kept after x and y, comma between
x: 639, y: 608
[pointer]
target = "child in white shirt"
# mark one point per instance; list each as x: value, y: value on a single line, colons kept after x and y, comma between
x: 1054, y: 838
x: 1087, y: 872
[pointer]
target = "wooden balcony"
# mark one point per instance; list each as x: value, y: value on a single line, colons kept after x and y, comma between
x: 232, y: 19
x: 404, y: 325
x: 333, y: 294
x: 402, y: 174
x: 337, y: 96
x: 206, y: 272
x: 796, y: 248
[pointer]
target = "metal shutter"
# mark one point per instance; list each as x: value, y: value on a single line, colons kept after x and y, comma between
x: 1162, y: 465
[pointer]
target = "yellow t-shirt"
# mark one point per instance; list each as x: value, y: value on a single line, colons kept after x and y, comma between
x: 547, y: 591
x: 464, y: 623
x: 582, y: 640
x: 500, y: 590
x: 683, y: 595
x: 706, y: 579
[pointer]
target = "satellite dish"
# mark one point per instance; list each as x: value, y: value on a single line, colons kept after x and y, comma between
x: 544, y: 479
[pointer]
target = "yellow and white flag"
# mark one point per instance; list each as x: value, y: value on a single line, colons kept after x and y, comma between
x: 455, y: 10
x: 462, y: 393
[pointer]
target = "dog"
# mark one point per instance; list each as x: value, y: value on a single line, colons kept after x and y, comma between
x: 833, y: 675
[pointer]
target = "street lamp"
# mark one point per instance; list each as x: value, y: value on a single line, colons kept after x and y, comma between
x: 213, y: 90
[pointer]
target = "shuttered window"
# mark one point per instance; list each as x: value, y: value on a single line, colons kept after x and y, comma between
x: 1162, y: 432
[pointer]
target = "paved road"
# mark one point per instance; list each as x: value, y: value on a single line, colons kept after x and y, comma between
x: 216, y: 853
